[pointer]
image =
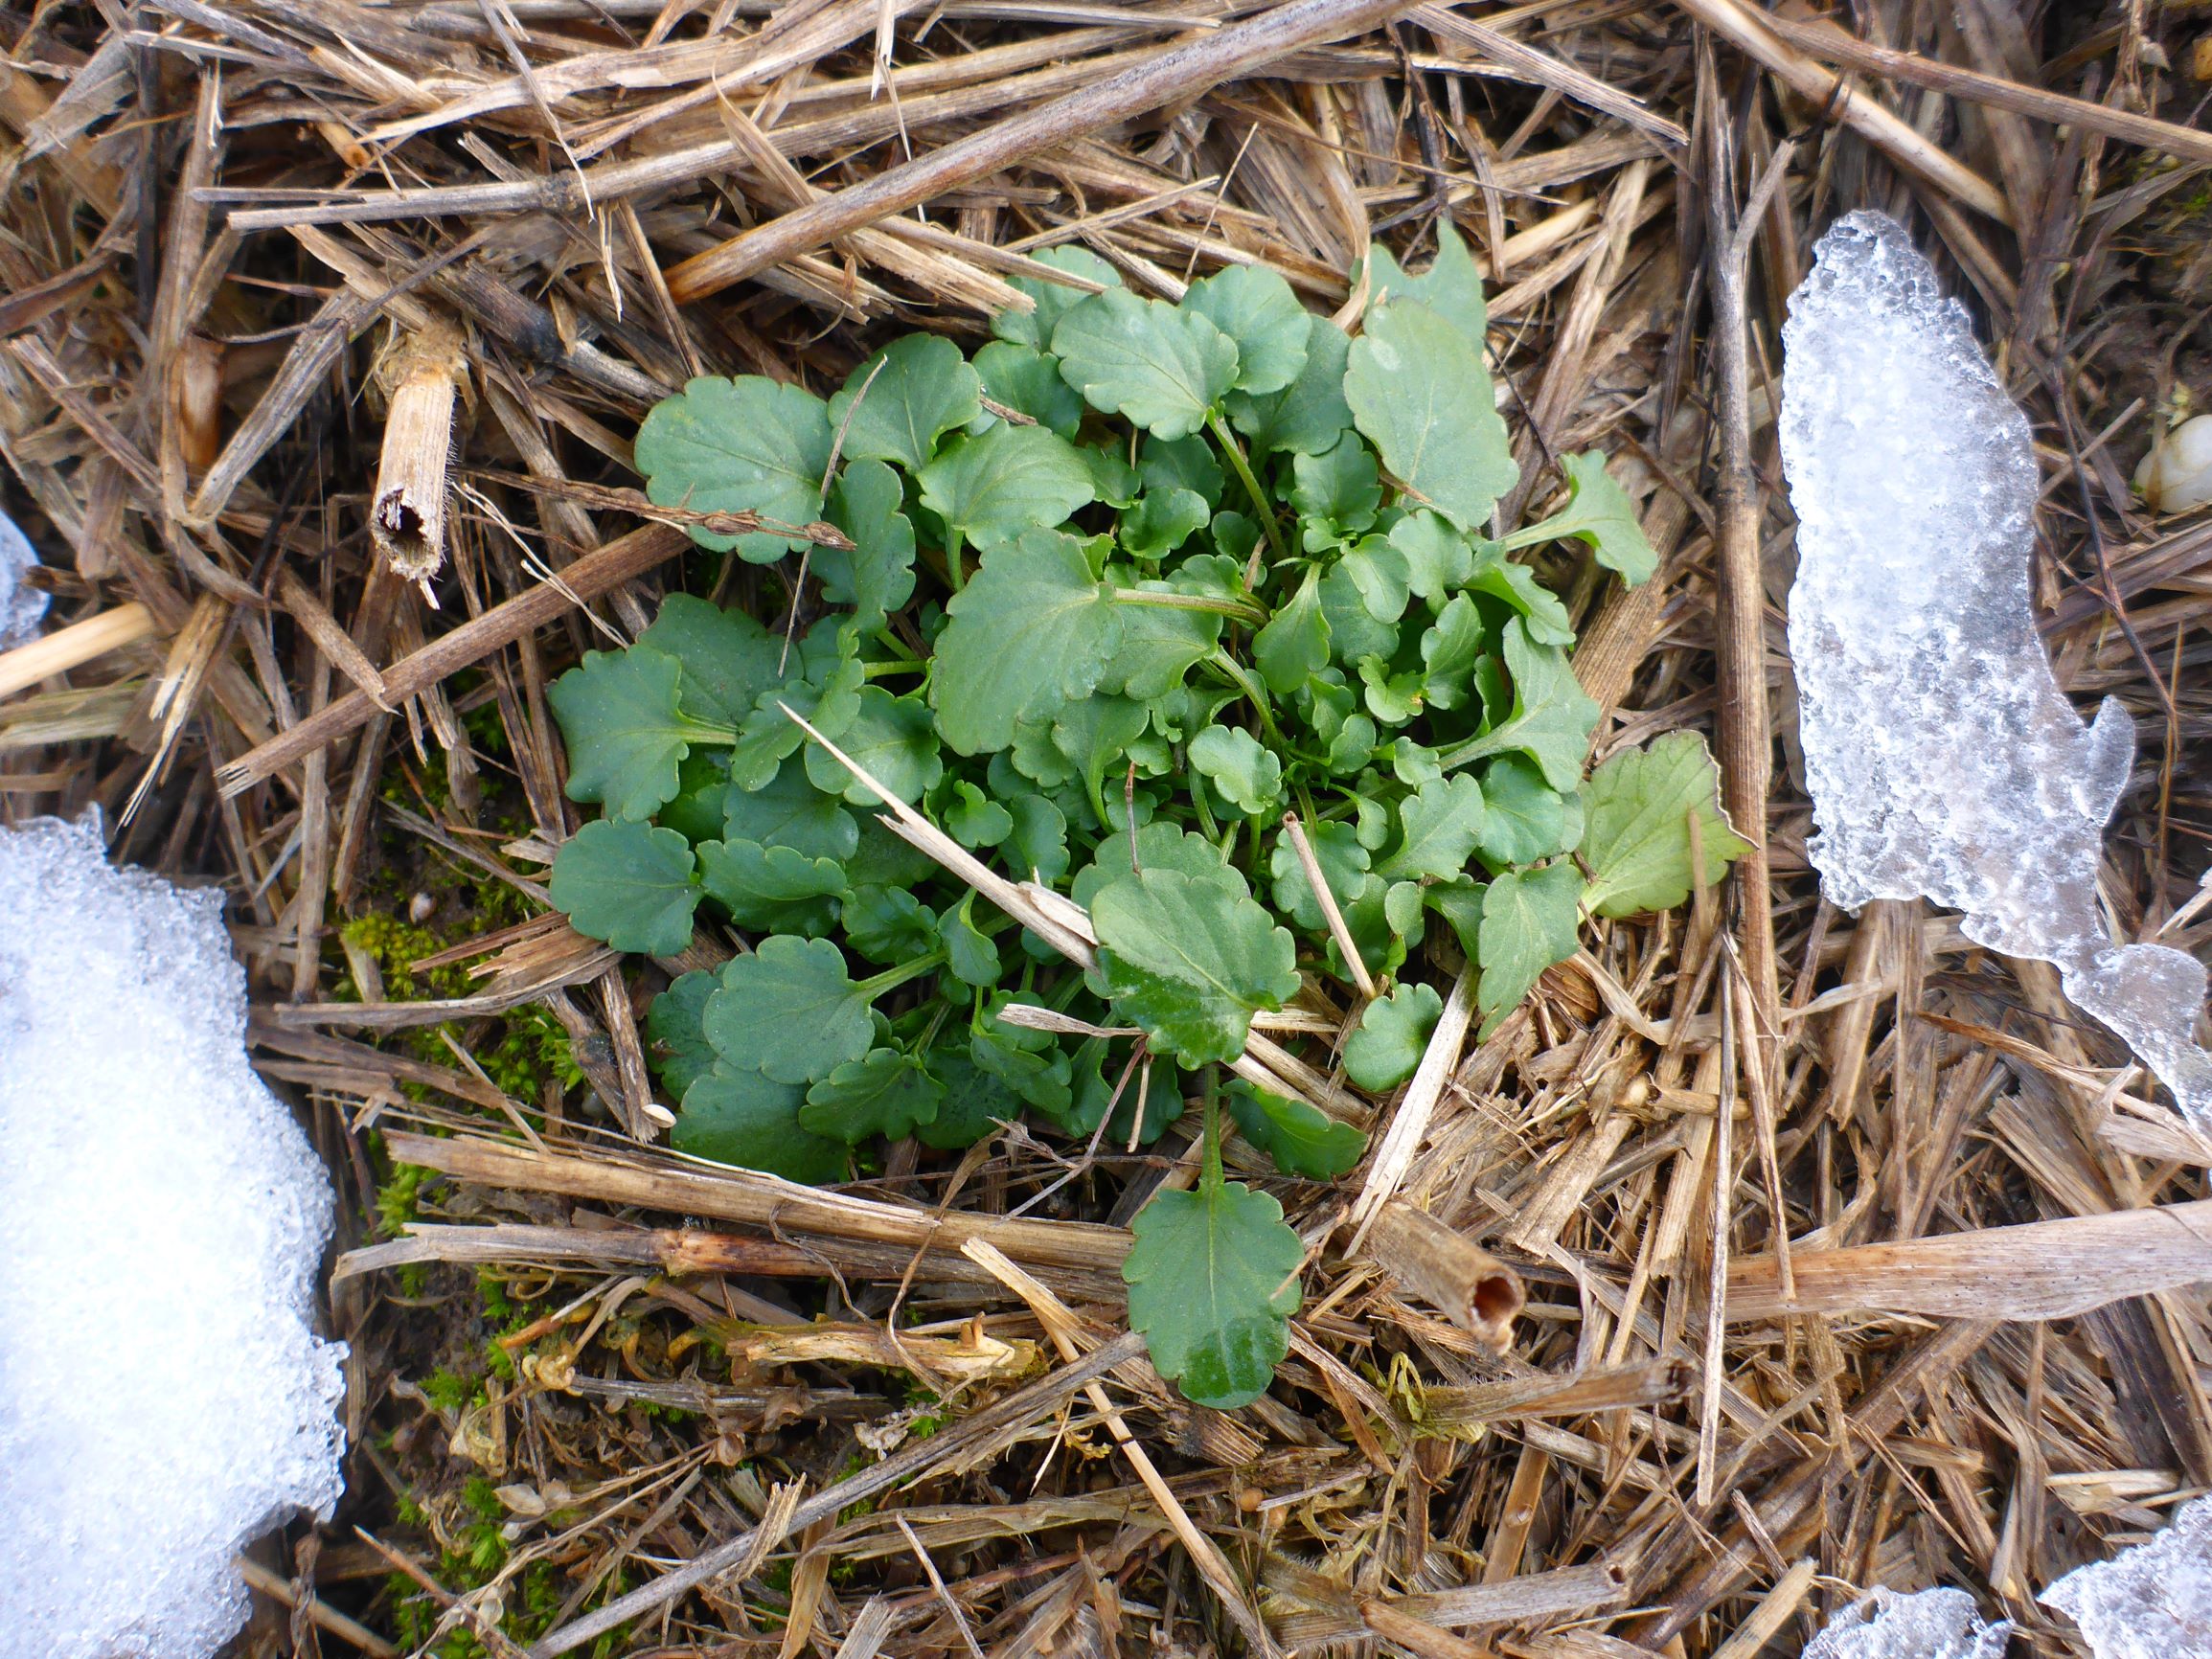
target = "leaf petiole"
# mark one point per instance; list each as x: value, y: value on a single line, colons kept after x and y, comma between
x: 1261, y: 504
x: 698, y: 731
x: 1237, y: 609
x: 891, y: 978
x: 1210, y: 1180
x: 953, y: 556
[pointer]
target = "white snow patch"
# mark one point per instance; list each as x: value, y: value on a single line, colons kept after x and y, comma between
x: 2153, y: 1601
x: 1944, y: 760
x: 1928, y: 1624
x: 163, y: 1399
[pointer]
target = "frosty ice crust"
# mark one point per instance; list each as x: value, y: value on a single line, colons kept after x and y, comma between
x: 1943, y: 760
x: 1926, y: 1624
x: 2153, y: 1601
x: 163, y: 1398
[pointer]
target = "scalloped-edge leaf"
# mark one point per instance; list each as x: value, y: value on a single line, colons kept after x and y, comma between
x: 1213, y: 1281
x: 1637, y: 809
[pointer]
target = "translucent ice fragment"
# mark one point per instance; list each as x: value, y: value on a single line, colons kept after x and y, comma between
x: 2153, y: 1601
x: 21, y: 605
x: 1944, y: 760
x: 163, y: 1398
x: 1929, y: 1625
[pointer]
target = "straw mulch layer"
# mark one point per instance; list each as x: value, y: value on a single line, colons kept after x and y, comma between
x: 607, y: 1401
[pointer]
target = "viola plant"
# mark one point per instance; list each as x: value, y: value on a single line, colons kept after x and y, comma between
x: 1129, y: 590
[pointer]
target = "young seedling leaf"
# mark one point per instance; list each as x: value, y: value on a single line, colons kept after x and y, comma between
x: 1248, y: 777
x: 923, y: 390
x: 1294, y: 645
x: 969, y: 952
x: 1191, y: 960
x: 884, y: 1093
x: 1552, y: 717
x: 772, y: 887
x: 676, y: 1045
x: 1450, y: 286
x: 1213, y: 1283
x: 1309, y: 414
x: 789, y: 811
x: 727, y: 659
x: 1393, y: 1032
x: 1054, y: 300
x: 973, y: 1106
x: 1169, y: 465
x: 1529, y: 920
x: 628, y: 884
x: 1409, y: 384
x: 1255, y: 307
x: 876, y: 577
x: 1162, y: 521
x: 1027, y: 381
x: 889, y: 924
x: 1636, y: 834
x: 894, y: 739
x: 973, y: 819
x: 1301, y: 1140
x: 1526, y: 814
x: 1335, y: 493
x: 1599, y: 512
x: 1543, y: 616
x: 824, y: 690
x: 1033, y: 632
x: 1451, y: 649
x: 627, y: 737
x: 1029, y: 1063
x: 1437, y: 556
x: 1442, y: 824
x: 993, y: 487
x: 790, y: 1009
x: 751, y: 444
x: 1163, y: 369
x: 1037, y: 848
x: 1343, y: 862
x: 1379, y: 572
x: 747, y: 1120
x: 1098, y: 1071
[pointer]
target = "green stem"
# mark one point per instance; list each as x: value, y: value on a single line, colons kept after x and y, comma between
x: 952, y: 558
x: 696, y: 732
x: 1206, y: 824
x: 892, y: 978
x: 1529, y: 534
x: 1227, y: 439
x: 1210, y: 1178
x: 1234, y: 608
x: 876, y: 671
x: 1241, y: 678
x: 895, y: 646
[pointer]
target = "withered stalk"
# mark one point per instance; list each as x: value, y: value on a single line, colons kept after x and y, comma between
x: 196, y: 390
x: 425, y: 371
x: 1453, y: 1274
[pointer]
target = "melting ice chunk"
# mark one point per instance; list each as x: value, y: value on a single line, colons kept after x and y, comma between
x: 161, y: 1218
x: 2153, y: 1601
x: 1929, y: 1625
x: 21, y: 604
x: 1944, y: 760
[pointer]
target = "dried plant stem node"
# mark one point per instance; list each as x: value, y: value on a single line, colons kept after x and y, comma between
x: 422, y: 372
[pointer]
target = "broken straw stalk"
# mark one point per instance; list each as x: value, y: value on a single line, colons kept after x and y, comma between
x: 426, y: 368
